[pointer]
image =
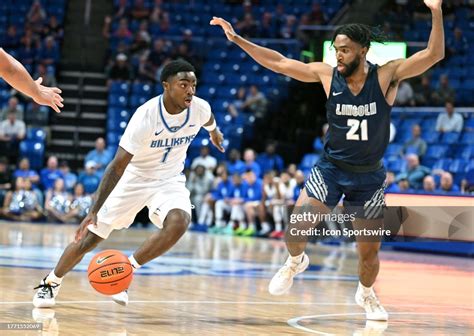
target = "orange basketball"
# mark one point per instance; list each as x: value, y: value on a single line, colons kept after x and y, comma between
x: 110, y: 272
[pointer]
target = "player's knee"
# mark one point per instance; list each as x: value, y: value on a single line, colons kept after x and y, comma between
x: 89, y: 242
x: 369, y: 256
x: 178, y: 219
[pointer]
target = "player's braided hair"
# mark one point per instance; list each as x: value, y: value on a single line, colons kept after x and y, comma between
x: 361, y: 33
x: 173, y: 67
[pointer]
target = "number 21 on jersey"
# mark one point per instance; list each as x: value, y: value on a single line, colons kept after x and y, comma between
x: 357, y: 127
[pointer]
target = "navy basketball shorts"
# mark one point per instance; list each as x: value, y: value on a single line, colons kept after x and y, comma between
x: 363, y: 192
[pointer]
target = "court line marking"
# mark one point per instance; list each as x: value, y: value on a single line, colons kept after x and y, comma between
x: 294, y: 321
x: 248, y: 302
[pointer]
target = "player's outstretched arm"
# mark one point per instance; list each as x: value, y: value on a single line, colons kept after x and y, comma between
x: 216, y: 136
x: 112, y: 175
x: 273, y: 60
x: 16, y: 75
x: 426, y: 58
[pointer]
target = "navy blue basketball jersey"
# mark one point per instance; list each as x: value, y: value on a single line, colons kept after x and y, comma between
x: 359, y: 126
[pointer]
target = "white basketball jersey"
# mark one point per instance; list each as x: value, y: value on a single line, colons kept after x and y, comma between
x: 159, y: 140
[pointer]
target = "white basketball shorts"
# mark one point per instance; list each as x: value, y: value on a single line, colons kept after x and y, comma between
x: 134, y: 192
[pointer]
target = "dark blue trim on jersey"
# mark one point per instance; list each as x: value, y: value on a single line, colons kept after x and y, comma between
x: 173, y: 129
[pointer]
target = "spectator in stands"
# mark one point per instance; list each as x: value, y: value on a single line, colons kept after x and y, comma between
x: 449, y: 121
x: 141, y: 43
x: 28, y: 52
x: 266, y: 28
x: 51, y: 173
x: 121, y: 69
x: 70, y: 179
x: 250, y: 164
x: 429, y: 185
x: 36, y: 17
x: 405, y: 95
x: 252, y: 199
x: 139, y: 11
x: 158, y: 54
x: 80, y: 205
x: 89, y: 178
x: 467, y: 183
x: 288, y: 31
x: 205, y: 159
x: 270, y: 160
x: 53, y: 28
x: 457, y: 45
x: 12, y: 38
x: 100, y: 156
x: 22, y: 204
x: 220, y: 194
x: 48, y: 78
x: 446, y: 185
x: 404, y: 186
x: 415, y: 173
x: 272, y: 203
x: 12, y: 107
x: 317, y: 16
x: 5, y: 178
x: 423, y: 92
x: 444, y: 92
x: 37, y: 116
x: 255, y: 102
x: 146, y: 72
x: 157, y: 15
x: 247, y: 26
x: 300, y: 180
x: 123, y: 9
x: 122, y: 31
x: 236, y: 107
x: 235, y: 165
x: 25, y: 172
x: 12, y: 131
x: 199, y: 184
x: 49, y: 53
x: 57, y: 201
x: 391, y: 187
x: 416, y: 144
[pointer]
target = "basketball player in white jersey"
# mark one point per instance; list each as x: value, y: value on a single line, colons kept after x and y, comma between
x: 15, y: 74
x: 146, y: 171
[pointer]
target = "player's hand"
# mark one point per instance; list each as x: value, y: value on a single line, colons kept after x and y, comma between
x: 48, y: 96
x: 433, y: 4
x: 217, y: 138
x: 226, y: 27
x: 81, y: 231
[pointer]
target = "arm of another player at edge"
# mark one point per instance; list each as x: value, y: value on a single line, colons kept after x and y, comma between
x: 426, y: 58
x: 217, y: 138
x: 273, y: 60
x: 112, y: 175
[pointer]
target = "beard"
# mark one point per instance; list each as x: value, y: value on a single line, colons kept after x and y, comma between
x: 351, y: 67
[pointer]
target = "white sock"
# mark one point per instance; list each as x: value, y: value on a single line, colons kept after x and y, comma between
x: 134, y: 263
x: 297, y: 259
x: 242, y: 225
x: 366, y: 291
x: 53, y: 278
x: 266, y: 227
x: 252, y: 226
x: 278, y: 226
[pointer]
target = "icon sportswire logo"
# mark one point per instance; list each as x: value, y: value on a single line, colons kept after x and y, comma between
x: 101, y: 260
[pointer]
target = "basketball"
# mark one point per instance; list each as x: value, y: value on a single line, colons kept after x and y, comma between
x: 110, y: 272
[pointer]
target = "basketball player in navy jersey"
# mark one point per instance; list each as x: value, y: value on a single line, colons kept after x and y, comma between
x: 360, y: 98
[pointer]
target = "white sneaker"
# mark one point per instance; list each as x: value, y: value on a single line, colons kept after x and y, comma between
x: 46, y: 294
x: 283, y: 279
x: 121, y: 298
x: 373, y: 309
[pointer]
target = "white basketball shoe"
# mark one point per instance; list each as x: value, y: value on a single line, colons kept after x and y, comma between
x: 121, y: 298
x: 45, y: 297
x: 373, y: 309
x: 283, y: 279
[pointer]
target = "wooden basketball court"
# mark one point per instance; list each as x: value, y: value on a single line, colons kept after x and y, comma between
x: 217, y: 285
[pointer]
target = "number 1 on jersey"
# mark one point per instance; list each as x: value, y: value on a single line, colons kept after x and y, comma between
x: 167, y: 151
x: 354, y: 124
